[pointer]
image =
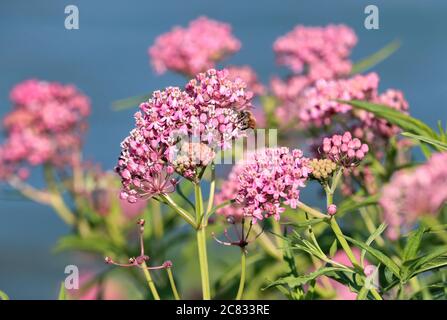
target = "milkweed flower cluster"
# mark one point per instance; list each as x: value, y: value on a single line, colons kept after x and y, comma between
x: 45, y: 126
x: 193, y: 49
x: 318, y: 107
x: 320, y: 52
x: 344, y: 150
x: 414, y: 193
x: 318, y: 104
x: 266, y: 180
x: 249, y: 76
x: 208, y: 111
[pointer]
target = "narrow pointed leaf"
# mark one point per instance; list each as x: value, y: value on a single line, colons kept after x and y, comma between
x: 376, y: 57
x: 390, y: 264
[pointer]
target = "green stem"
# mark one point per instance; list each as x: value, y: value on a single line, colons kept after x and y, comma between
x: 337, y: 231
x: 333, y: 222
x: 150, y: 282
x: 344, y: 244
x: 56, y: 200
x: 375, y: 294
x: 172, y: 282
x: 212, y: 191
x: 243, y: 272
x: 201, y: 243
x: 312, y: 211
x: 183, y: 213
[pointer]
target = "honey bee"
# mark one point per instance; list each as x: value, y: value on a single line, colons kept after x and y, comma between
x: 246, y: 120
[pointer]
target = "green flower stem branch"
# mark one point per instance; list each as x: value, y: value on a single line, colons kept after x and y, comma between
x: 56, y: 200
x: 243, y: 273
x: 201, y: 242
x: 150, y: 282
x: 212, y: 192
x: 337, y: 230
x: 172, y: 282
x: 183, y: 213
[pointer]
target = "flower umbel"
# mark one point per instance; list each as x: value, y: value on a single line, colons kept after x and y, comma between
x: 193, y: 49
x: 344, y: 150
x: 269, y: 178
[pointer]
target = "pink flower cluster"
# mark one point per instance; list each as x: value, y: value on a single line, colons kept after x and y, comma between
x: 414, y: 193
x: 193, y: 49
x: 218, y: 103
x: 317, y: 52
x: 208, y: 111
x: 317, y: 105
x: 45, y: 126
x: 344, y: 150
x: 229, y: 188
x: 249, y: 76
x: 267, y: 179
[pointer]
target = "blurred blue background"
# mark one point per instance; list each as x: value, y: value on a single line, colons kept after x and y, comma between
x: 107, y: 59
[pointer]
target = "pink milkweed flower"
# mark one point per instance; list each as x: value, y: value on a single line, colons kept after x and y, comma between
x: 193, y: 49
x: 317, y: 52
x: 344, y: 150
x: 317, y: 105
x: 249, y: 76
x: 266, y: 180
x: 46, y: 125
x: 411, y: 194
x: 211, y: 111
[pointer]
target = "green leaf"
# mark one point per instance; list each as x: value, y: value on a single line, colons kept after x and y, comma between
x: 413, y: 243
x: 363, y: 293
x: 62, y: 292
x: 294, y: 282
x: 3, y: 296
x: 436, y: 143
x: 333, y: 248
x: 390, y: 264
x: 371, y: 238
x: 432, y: 265
x: 420, y: 264
x: 376, y: 57
x: 130, y: 102
x: 395, y: 117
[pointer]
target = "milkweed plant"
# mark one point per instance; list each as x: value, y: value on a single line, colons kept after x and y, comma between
x: 227, y: 188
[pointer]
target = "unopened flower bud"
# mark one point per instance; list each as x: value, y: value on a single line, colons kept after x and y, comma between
x: 332, y: 209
